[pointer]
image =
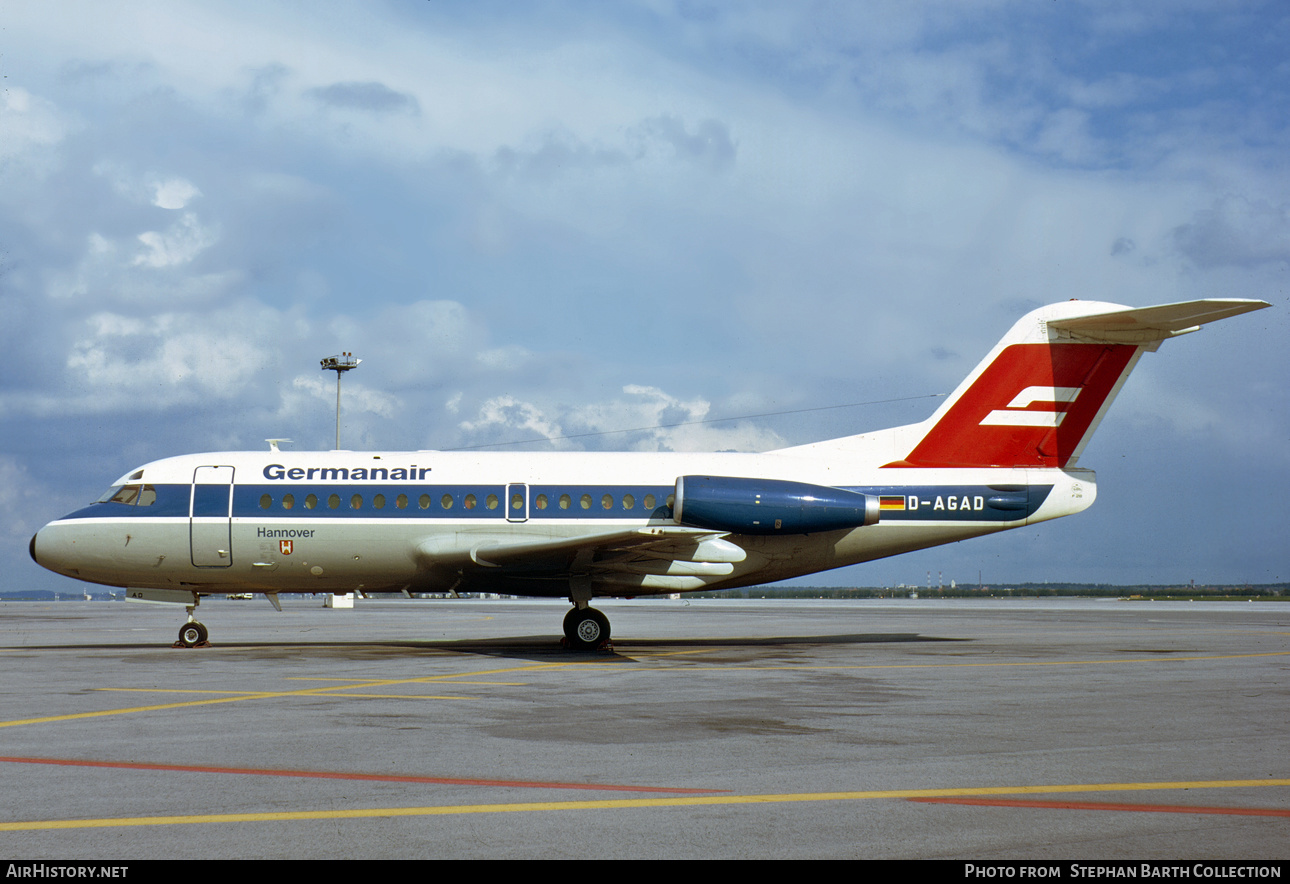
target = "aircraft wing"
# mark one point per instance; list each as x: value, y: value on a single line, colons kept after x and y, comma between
x: 514, y: 553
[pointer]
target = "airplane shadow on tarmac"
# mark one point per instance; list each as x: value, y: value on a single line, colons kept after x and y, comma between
x: 537, y: 648
x: 549, y: 649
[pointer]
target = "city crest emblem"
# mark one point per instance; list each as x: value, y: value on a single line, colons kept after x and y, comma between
x: 285, y: 547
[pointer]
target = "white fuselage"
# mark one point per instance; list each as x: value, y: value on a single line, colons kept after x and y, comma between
x: 338, y: 521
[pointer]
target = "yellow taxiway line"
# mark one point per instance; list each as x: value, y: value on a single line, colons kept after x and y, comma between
x: 622, y: 804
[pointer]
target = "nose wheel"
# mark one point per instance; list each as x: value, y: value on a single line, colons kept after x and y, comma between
x: 192, y: 634
x: 586, y: 629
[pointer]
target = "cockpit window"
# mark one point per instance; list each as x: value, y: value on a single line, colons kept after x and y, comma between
x: 130, y: 495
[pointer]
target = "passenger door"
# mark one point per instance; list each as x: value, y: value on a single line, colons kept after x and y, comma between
x: 210, y: 517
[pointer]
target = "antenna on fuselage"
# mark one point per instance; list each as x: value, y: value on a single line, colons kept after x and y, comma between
x: 273, y: 443
x: 339, y: 364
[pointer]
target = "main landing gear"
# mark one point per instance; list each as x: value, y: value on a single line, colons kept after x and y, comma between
x: 586, y: 629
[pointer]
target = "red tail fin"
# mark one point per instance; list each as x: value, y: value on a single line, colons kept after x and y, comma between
x: 1037, y: 398
x: 1031, y: 407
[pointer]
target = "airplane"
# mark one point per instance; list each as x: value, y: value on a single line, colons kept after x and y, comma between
x: 1000, y: 452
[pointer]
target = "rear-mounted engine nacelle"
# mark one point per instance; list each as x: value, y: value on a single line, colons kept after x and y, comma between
x: 769, y: 506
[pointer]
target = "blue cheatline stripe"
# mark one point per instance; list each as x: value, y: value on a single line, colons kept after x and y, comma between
x: 966, y: 503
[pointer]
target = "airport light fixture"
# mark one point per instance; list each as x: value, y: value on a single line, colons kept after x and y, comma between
x: 339, y: 364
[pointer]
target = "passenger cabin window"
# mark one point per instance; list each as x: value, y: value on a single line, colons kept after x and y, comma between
x: 146, y: 495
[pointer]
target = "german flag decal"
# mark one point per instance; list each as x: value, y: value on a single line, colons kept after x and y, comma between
x: 891, y: 502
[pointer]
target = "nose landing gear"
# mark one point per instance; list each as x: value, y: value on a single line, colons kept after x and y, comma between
x: 192, y: 635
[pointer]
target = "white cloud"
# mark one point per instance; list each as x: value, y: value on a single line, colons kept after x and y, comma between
x: 673, y: 424
x: 111, y: 271
x: 507, y: 358
x: 166, y: 192
x: 182, y: 242
x: 511, y: 415
x: 168, y: 359
x: 647, y: 419
x: 32, y: 129
x: 354, y: 397
x: 31, y: 124
x: 174, y: 193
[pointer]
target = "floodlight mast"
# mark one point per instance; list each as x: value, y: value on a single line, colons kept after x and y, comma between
x: 339, y: 364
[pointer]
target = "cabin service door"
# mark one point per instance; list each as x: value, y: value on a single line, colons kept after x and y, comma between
x: 210, y: 517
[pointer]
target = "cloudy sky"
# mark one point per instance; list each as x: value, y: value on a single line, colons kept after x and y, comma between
x: 551, y: 219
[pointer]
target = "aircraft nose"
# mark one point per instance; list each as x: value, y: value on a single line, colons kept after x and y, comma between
x: 49, y: 549
x: 40, y: 549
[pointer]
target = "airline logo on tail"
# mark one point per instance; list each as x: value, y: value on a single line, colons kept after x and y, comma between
x: 1032, y: 406
x: 1015, y: 416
